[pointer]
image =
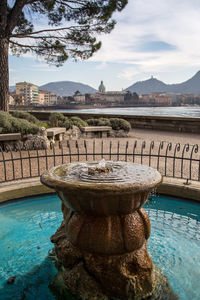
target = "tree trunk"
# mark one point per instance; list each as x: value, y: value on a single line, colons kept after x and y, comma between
x: 4, y: 75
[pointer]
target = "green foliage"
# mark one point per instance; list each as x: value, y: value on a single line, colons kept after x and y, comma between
x: 92, y: 122
x: 104, y: 122
x: 67, y: 124
x: 115, y: 123
x: 71, y: 32
x: 23, y: 126
x: 99, y: 122
x: 10, y: 124
x: 26, y: 116
x: 120, y: 124
x: 44, y: 124
x: 78, y: 122
x: 5, y: 123
x: 86, y: 20
x: 56, y: 119
x: 59, y: 120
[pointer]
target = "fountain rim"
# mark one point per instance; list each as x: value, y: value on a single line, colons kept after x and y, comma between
x: 49, y: 179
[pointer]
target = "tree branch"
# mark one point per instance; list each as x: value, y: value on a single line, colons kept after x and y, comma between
x: 63, y: 2
x: 29, y: 46
x: 48, y: 30
x: 39, y: 47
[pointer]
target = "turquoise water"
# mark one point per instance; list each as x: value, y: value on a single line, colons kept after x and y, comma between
x: 26, y: 227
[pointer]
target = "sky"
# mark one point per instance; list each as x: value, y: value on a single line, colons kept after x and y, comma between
x: 152, y: 38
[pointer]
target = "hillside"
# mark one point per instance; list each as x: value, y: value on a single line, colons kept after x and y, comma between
x: 153, y: 85
x: 67, y: 88
x: 149, y: 86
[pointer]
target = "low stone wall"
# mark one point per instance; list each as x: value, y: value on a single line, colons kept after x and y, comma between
x: 165, y: 123
x: 33, y: 187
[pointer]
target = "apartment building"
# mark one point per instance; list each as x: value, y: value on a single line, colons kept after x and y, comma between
x: 79, y: 98
x: 107, y: 97
x: 29, y: 91
x: 47, y: 98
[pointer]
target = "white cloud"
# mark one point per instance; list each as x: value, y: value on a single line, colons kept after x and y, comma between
x: 127, y: 54
x: 101, y: 66
x: 175, y: 22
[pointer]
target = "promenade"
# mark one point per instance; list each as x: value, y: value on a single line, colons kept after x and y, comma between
x: 166, y: 136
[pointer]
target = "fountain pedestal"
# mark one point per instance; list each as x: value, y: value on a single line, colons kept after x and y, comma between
x: 102, y: 242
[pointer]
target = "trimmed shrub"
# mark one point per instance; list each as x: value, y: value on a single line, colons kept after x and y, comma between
x: 67, y: 123
x: 26, y: 116
x: 78, y: 122
x: 10, y: 124
x: 120, y: 124
x: 104, y: 122
x: 115, y: 123
x: 5, y: 123
x: 99, y: 122
x: 92, y: 122
x: 56, y: 119
x: 23, y: 126
x: 44, y: 124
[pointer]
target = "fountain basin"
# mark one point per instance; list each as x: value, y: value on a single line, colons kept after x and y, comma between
x: 175, y: 220
x: 119, y: 192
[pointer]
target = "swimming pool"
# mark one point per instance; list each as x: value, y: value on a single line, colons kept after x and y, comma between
x: 26, y: 227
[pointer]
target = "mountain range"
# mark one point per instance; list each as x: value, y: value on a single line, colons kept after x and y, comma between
x: 152, y: 85
x: 64, y: 88
x: 67, y: 88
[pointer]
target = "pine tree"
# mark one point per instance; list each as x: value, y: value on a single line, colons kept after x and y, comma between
x: 71, y: 30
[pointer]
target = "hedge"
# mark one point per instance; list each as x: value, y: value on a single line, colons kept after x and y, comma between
x: 78, y: 122
x: 120, y: 124
x: 56, y: 119
x: 26, y: 116
x: 115, y: 123
x: 10, y: 124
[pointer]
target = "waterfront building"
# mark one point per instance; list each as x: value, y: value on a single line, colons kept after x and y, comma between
x: 29, y: 91
x: 79, y: 98
x: 114, y: 96
x: 47, y: 98
x: 156, y: 99
x: 53, y: 98
x: 106, y: 98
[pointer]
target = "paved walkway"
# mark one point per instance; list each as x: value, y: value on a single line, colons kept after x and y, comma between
x: 166, y: 136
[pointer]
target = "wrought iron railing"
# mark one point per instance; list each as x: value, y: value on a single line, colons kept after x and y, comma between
x: 178, y: 161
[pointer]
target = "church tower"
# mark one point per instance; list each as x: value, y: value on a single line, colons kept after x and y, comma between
x: 102, y: 88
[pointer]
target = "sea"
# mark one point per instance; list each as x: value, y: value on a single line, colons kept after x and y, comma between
x: 181, y: 111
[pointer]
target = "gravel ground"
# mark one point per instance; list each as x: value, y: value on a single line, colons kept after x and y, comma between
x: 167, y: 136
x: 133, y: 148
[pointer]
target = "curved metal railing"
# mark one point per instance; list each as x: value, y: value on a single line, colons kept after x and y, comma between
x: 172, y: 160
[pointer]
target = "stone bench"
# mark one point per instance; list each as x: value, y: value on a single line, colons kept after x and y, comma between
x: 6, y: 137
x: 10, y: 141
x: 56, y: 133
x: 96, y: 131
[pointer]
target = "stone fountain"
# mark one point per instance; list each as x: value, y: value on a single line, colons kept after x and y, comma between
x: 101, y: 245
